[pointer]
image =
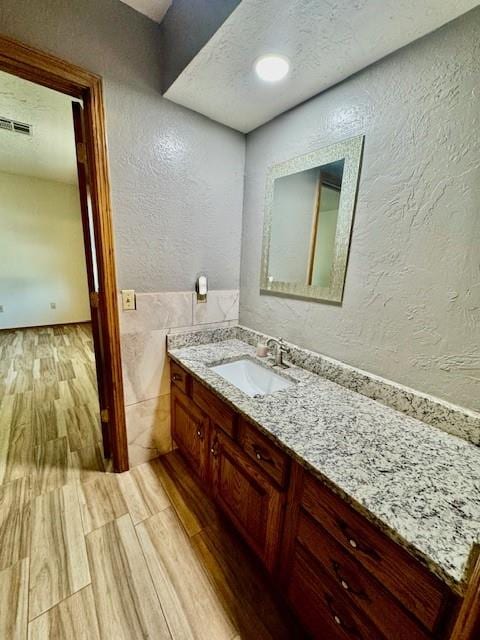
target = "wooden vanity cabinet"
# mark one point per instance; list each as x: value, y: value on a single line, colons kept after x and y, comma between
x: 245, y: 473
x: 344, y: 577
x: 416, y: 588
x: 386, y: 592
x: 191, y: 432
x: 248, y: 496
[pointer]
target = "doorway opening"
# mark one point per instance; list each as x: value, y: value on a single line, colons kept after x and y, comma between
x: 61, y: 388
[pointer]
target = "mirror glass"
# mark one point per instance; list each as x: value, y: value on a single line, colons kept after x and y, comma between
x: 304, y: 221
x: 309, y: 211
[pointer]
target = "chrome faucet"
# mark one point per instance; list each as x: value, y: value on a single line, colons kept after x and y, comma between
x: 280, y: 348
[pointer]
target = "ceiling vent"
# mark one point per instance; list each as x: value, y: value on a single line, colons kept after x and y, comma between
x: 16, y: 127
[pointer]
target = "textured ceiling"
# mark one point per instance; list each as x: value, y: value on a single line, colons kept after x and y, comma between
x: 154, y: 9
x: 50, y: 152
x: 326, y: 41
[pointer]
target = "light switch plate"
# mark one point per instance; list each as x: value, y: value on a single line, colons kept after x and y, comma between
x: 128, y: 299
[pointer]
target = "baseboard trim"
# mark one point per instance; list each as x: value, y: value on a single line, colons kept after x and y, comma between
x: 46, y: 326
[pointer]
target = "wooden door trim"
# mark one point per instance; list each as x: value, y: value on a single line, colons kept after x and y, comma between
x: 55, y: 73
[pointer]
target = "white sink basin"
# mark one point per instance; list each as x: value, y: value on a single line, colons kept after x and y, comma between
x: 251, y: 378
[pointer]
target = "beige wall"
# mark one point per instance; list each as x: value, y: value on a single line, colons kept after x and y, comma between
x: 42, y: 253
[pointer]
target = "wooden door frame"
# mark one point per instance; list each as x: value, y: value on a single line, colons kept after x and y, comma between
x: 55, y: 73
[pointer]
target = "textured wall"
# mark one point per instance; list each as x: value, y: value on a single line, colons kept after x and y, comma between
x: 176, y: 177
x: 411, y: 309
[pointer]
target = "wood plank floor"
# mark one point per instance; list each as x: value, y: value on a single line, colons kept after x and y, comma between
x: 90, y: 555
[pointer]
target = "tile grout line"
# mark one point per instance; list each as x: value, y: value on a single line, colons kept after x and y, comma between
x: 59, y: 603
x: 30, y: 536
x: 27, y: 612
x: 60, y: 490
x: 148, y: 568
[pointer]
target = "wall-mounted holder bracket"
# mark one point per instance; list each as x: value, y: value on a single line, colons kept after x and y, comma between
x: 201, y: 287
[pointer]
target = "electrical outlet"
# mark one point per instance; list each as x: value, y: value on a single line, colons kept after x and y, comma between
x: 128, y: 299
x: 53, y: 305
x: 1, y: 308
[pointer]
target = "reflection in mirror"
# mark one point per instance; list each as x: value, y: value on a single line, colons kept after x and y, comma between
x: 304, y: 221
x: 308, y: 220
x: 320, y: 260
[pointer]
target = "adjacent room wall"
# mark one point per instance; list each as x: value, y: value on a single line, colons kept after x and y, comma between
x: 411, y: 308
x: 42, y: 253
x: 176, y: 177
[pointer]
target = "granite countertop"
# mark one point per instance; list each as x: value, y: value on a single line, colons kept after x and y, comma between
x: 419, y: 484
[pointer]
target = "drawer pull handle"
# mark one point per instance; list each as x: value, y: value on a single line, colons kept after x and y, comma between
x: 199, y: 435
x: 176, y: 378
x: 353, y: 541
x: 337, y: 568
x: 260, y: 455
x: 257, y: 452
x: 214, y: 449
x: 338, y: 620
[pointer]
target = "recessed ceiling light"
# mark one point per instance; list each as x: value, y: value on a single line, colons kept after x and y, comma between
x: 272, y: 67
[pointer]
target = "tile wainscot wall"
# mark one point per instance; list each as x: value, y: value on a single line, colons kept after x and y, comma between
x: 146, y: 375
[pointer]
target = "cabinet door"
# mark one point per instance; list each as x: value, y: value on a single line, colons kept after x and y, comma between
x: 248, y: 496
x: 190, y: 430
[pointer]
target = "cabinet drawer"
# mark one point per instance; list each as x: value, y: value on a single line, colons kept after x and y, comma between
x: 217, y: 410
x: 179, y: 377
x: 321, y: 608
x: 416, y: 588
x: 357, y: 584
x: 269, y: 457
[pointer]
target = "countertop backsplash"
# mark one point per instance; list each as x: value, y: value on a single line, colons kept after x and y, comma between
x: 453, y: 419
